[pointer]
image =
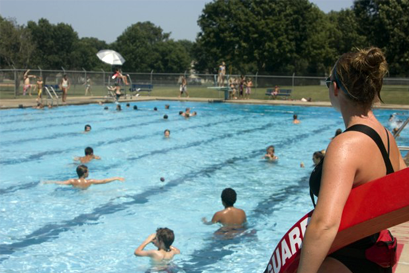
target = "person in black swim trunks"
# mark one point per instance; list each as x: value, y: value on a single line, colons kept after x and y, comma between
x: 352, y: 159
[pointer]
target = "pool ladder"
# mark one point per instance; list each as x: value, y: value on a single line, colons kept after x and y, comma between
x: 396, y: 134
x: 51, y: 93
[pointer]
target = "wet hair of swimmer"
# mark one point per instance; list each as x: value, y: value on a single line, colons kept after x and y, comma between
x: 295, y: 116
x: 89, y: 151
x: 166, y: 236
x: 318, y: 154
x: 167, y: 106
x: 87, y: 128
x: 155, y: 109
x: 165, y: 116
x: 106, y: 108
x: 338, y: 132
x: 229, y: 197
x: 180, y: 112
x: 167, y: 130
x: 81, y: 170
x: 270, y: 147
x: 127, y: 105
x: 118, y: 107
x: 135, y: 107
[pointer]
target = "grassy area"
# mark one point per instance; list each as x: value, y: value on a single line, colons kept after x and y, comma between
x: 391, y: 94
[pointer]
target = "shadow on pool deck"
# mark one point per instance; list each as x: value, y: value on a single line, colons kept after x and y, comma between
x: 401, y: 231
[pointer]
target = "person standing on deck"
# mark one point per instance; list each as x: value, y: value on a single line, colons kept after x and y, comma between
x: 65, y: 85
x: 27, y: 85
x: 222, y: 73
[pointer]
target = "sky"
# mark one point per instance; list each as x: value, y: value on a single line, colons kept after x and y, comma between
x: 108, y: 19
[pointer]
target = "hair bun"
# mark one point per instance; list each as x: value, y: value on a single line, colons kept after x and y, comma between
x: 374, y: 57
x: 370, y: 61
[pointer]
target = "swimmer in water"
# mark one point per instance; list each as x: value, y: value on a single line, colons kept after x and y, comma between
x: 166, y: 133
x: 87, y: 128
x: 270, y: 154
x: 183, y: 114
x: 230, y: 216
x: 317, y: 157
x: 295, y: 119
x: 89, y: 155
x: 337, y: 132
x: 82, y: 182
x: 162, y: 239
x: 39, y: 106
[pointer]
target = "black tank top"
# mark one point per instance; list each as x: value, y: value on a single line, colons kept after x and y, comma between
x: 315, y: 178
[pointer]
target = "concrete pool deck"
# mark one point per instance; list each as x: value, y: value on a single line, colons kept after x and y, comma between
x: 30, y: 101
x: 400, y: 231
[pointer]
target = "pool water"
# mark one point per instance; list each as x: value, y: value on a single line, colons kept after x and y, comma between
x: 53, y: 228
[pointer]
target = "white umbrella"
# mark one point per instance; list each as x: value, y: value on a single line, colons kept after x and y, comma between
x: 110, y: 57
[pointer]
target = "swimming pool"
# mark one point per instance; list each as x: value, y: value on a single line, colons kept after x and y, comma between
x: 51, y: 228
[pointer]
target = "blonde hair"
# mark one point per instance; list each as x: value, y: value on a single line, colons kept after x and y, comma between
x: 360, y: 75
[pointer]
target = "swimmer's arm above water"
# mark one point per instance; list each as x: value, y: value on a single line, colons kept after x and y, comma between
x: 216, y: 218
x: 144, y: 253
x: 66, y: 182
x: 104, y: 181
x: 177, y: 251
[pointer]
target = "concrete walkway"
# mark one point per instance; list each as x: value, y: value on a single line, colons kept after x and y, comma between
x: 30, y: 102
x: 401, y: 231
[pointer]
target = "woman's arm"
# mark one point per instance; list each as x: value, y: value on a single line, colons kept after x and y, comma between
x: 338, y: 175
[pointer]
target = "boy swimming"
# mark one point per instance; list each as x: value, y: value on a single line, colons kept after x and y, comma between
x: 82, y: 182
x: 89, y: 155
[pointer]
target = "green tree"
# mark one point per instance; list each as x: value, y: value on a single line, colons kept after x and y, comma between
x: 343, y: 34
x: 265, y: 36
x: 16, y: 47
x: 173, y: 57
x: 146, y: 47
x: 188, y: 47
x: 394, y: 16
x: 386, y: 24
x: 85, y: 54
x: 54, y: 44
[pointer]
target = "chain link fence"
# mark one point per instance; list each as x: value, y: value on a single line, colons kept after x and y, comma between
x: 167, y: 84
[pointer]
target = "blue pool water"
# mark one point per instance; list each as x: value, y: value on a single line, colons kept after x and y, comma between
x: 51, y: 228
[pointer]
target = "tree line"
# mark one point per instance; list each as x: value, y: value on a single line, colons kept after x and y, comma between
x: 250, y: 36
